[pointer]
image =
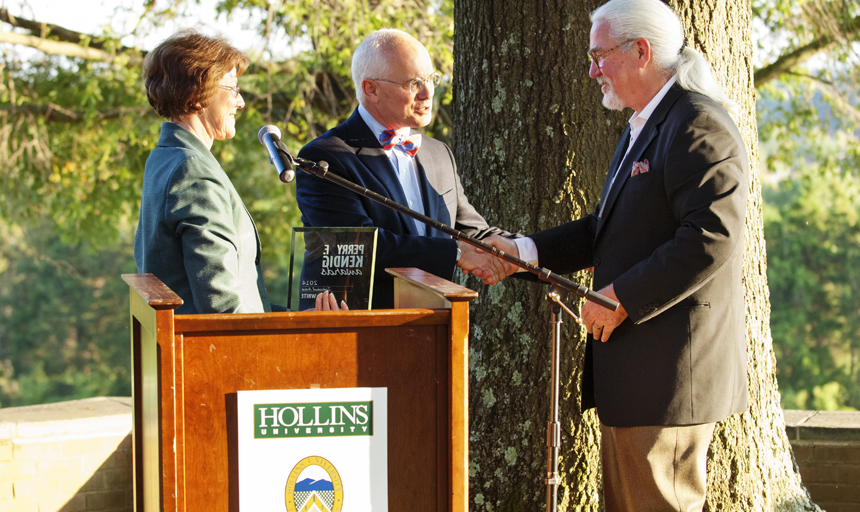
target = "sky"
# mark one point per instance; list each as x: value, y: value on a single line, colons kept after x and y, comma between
x: 90, y: 17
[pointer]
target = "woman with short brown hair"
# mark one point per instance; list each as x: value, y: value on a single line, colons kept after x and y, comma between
x: 194, y: 232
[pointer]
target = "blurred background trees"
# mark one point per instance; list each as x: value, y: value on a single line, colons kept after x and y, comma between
x: 807, y: 84
x: 75, y: 130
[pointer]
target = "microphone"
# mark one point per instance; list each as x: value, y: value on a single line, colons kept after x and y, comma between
x: 321, y: 170
x: 270, y: 137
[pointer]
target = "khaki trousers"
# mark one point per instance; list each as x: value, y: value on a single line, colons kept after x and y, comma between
x: 660, y: 468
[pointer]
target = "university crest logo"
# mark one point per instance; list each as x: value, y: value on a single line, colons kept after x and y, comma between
x: 314, y: 485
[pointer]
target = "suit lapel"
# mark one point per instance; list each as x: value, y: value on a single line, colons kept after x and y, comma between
x: 256, y: 234
x: 649, y: 131
x: 370, y: 153
x: 648, y: 134
x: 613, y: 167
x: 429, y: 192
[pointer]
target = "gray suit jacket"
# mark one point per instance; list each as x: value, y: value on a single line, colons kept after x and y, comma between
x: 194, y: 232
x: 671, y: 239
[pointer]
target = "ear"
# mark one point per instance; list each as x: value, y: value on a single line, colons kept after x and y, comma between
x: 643, y: 46
x: 371, y: 91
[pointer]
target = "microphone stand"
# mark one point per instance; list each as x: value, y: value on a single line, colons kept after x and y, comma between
x: 556, y: 296
x: 320, y: 169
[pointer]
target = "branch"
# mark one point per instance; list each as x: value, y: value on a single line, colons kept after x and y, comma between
x: 75, y: 44
x: 811, y: 78
x: 56, y: 113
x: 288, y: 67
x: 69, y: 49
x: 44, y: 30
x: 786, y: 63
x: 845, y: 106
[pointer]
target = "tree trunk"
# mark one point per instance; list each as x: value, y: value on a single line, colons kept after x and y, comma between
x: 533, y: 144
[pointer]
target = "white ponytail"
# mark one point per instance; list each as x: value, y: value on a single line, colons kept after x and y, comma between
x: 656, y: 22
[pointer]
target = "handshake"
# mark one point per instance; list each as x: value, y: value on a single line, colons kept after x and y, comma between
x: 597, y: 320
x: 483, y: 265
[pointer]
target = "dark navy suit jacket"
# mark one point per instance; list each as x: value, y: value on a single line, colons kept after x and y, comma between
x: 671, y: 239
x: 353, y: 152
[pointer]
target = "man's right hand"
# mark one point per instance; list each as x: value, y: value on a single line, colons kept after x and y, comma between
x: 484, y: 265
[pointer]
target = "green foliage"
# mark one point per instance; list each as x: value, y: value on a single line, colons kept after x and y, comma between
x: 74, y: 137
x: 813, y: 244
x: 808, y: 122
x: 816, y: 96
x: 320, y: 90
x: 793, y: 112
x: 63, y: 318
x: 84, y: 173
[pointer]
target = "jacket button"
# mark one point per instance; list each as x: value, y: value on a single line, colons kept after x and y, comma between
x: 597, y: 261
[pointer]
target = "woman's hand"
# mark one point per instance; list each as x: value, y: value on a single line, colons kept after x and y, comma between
x: 327, y: 302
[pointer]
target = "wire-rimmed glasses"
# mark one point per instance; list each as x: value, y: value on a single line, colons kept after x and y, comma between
x: 416, y: 84
x: 233, y: 90
x: 596, y: 57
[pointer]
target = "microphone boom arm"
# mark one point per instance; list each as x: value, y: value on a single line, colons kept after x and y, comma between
x: 320, y: 169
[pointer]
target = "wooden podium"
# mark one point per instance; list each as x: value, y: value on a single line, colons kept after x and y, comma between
x: 187, y: 368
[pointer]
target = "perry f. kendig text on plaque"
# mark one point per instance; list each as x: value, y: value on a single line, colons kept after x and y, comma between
x: 338, y: 260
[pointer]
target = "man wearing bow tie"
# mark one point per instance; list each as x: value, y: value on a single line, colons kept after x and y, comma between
x: 378, y: 149
x: 667, y: 242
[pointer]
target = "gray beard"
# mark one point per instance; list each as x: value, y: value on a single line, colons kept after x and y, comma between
x: 612, y: 101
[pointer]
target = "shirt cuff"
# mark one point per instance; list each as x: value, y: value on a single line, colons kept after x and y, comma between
x: 528, y: 251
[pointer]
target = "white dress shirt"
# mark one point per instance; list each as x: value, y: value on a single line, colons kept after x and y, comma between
x: 404, y: 166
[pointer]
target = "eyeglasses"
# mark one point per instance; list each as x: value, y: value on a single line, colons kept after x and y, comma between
x: 416, y: 84
x: 596, y: 57
x: 234, y: 90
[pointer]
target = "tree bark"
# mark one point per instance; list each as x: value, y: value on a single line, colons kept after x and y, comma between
x: 533, y: 144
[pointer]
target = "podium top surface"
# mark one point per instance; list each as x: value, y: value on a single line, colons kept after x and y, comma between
x: 450, y: 291
x: 160, y: 296
x: 153, y: 291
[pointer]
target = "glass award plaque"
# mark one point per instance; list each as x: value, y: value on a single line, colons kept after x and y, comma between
x: 338, y: 260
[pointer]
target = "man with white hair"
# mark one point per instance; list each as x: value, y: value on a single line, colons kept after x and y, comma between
x: 666, y: 241
x: 378, y: 149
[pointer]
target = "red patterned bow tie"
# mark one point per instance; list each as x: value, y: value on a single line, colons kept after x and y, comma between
x: 391, y: 138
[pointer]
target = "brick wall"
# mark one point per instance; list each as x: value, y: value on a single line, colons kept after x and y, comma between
x: 76, y: 456
x: 67, y: 457
x: 827, y: 448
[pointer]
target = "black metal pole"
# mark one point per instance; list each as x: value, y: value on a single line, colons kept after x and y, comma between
x: 556, y: 296
x: 320, y: 169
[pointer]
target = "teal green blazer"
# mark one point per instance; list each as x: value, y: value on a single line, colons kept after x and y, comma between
x: 194, y: 232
